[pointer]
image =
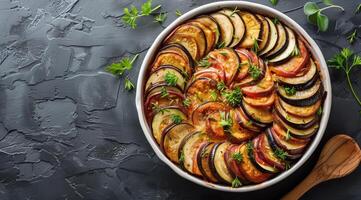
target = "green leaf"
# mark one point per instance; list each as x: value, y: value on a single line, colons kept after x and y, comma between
x: 118, y: 68
x: 170, y: 78
x: 160, y: 18
x: 274, y: 2
x: 327, y: 2
x: 237, y: 157
x: 128, y: 85
x: 312, y: 18
x: 177, y: 119
x: 147, y: 8
x: 233, y: 97
x: 358, y: 9
x: 236, y: 183
x: 178, y: 13
x: 351, y: 38
x: 310, y: 8
x: 322, y: 22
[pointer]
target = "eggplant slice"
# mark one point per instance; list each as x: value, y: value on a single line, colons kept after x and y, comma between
x: 281, y: 42
x: 226, y: 29
x: 290, y: 46
x: 304, y: 97
x: 265, y: 36
x: 273, y: 38
x: 238, y: 24
x: 159, y: 75
x: 253, y: 29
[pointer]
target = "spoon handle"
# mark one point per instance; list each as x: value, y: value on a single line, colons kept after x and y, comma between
x: 307, y: 183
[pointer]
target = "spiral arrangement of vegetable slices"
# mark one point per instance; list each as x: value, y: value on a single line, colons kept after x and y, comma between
x: 234, y: 97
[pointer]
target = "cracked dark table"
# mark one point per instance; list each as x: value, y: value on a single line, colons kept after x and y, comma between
x: 69, y: 130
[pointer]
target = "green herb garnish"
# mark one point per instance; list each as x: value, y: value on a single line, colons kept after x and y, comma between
x: 204, y: 62
x: 132, y: 14
x: 236, y: 183
x: 181, y: 158
x: 233, y: 97
x: 128, y: 85
x: 214, y: 95
x: 237, y: 157
x: 315, y: 16
x: 171, y: 79
x: 319, y: 111
x: 274, y: 2
x: 290, y: 91
x: 187, y: 102
x: 295, y: 51
x: 279, y: 153
x: 160, y: 18
x: 255, y: 46
x: 163, y: 92
x: 118, y: 68
x: 288, y: 135
x: 221, y: 45
x: 226, y: 122
x: 156, y: 108
x: 351, y: 38
x: 178, y: 13
x: 254, y: 71
x: 346, y: 60
x: 275, y: 20
x: 177, y: 119
x: 358, y: 9
x: 249, y: 146
x: 221, y: 86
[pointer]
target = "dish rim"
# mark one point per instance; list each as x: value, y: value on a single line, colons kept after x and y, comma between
x: 255, y: 7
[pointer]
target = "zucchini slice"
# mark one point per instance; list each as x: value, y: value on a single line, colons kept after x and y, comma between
x: 268, y: 155
x: 265, y: 36
x: 162, y: 119
x: 226, y: 29
x: 281, y: 42
x: 261, y: 115
x: 203, y: 161
x: 253, y: 29
x: 159, y: 75
x: 304, y: 97
x: 228, y: 59
x: 295, y: 65
x: 172, y: 138
x: 248, y: 169
x: 273, y: 37
x: 301, y: 111
x: 212, y: 25
x: 238, y: 24
x: 188, y: 151
x: 288, y: 50
x: 219, y: 167
x: 173, y: 59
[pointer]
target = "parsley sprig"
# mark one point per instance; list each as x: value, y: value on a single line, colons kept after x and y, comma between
x: 254, y: 71
x: 351, y: 38
x: 236, y: 183
x: 346, y: 60
x: 315, y: 16
x: 233, y: 97
x: 226, y: 122
x: 237, y: 157
x: 290, y: 91
x: 132, y: 14
x: 170, y: 78
x: 120, y: 67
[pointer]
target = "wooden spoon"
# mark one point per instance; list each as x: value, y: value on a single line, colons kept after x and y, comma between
x: 339, y: 157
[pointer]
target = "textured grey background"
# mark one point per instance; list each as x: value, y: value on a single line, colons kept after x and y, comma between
x: 68, y: 130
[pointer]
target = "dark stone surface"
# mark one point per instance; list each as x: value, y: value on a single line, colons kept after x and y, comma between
x: 68, y: 130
